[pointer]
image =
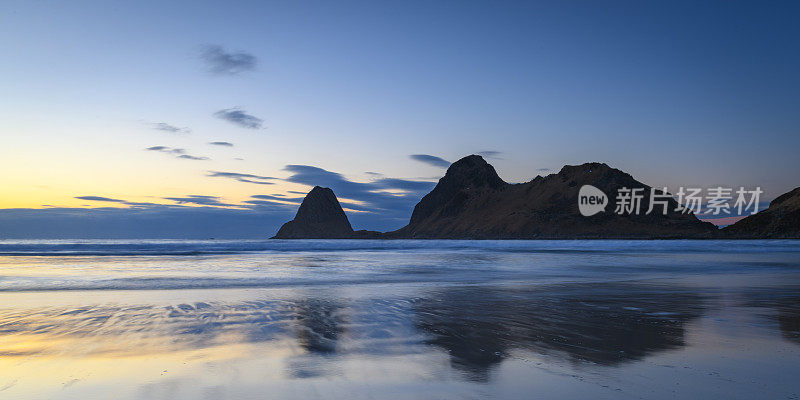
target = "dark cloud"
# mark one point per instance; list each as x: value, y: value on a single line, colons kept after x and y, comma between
x: 222, y: 62
x: 431, y: 160
x: 248, y: 178
x: 389, y: 210
x: 200, y: 200
x: 163, y: 126
x: 402, y: 184
x: 99, y: 198
x: 178, y: 153
x: 239, y: 117
x: 226, y: 144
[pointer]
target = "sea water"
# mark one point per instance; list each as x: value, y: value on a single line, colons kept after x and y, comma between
x: 173, y: 319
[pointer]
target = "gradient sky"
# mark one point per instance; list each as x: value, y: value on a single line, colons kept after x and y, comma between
x: 343, y: 94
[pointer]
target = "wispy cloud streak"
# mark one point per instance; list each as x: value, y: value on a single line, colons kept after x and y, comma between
x: 430, y: 160
x: 99, y: 198
x: 247, y: 178
x: 176, y: 152
x: 165, y: 127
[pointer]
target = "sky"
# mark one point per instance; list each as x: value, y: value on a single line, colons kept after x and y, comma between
x: 213, y: 119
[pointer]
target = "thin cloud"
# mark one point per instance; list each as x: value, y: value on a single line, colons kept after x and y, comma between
x: 238, y: 117
x: 279, y: 197
x: 199, y: 200
x: 222, y: 62
x: 99, y: 198
x: 176, y: 152
x: 543, y: 169
x: 110, y: 200
x: 163, y: 126
x: 224, y: 144
x: 490, y: 154
x: 430, y: 160
x: 165, y: 149
x: 247, y: 178
x: 191, y: 157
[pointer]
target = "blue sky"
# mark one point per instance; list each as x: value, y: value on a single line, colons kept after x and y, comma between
x: 346, y: 94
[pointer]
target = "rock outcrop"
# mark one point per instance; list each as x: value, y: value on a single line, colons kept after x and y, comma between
x: 320, y: 216
x: 472, y: 202
x: 781, y: 220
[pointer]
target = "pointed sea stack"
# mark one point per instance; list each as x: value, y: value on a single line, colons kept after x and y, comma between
x: 780, y: 221
x: 472, y: 202
x: 320, y: 216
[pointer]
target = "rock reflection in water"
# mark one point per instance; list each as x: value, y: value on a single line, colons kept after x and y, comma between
x: 318, y: 324
x: 783, y: 307
x: 479, y: 327
x: 789, y: 321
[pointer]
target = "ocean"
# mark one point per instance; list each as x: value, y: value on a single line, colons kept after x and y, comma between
x: 400, y: 319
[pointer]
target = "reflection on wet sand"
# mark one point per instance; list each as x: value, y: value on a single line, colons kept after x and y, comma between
x: 140, y: 329
x: 476, y: 326
x: 461, y: 333
x: 318, y: 324
x: 789, y: 320
x: 479, y: 327
x: 784, y: 308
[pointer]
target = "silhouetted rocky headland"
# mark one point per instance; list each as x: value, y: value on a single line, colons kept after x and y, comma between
x: 320, y: 216
x: 781, y: 220
x: 472, y: 202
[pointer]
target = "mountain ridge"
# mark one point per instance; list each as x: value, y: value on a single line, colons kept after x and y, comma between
x: 471, y: 201
x: 543, y: 208
x: 781, y: 220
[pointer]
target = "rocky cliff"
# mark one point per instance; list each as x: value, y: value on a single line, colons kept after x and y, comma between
x: 472, y: 202
x: 320, y: 216
x: 781, y: 220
